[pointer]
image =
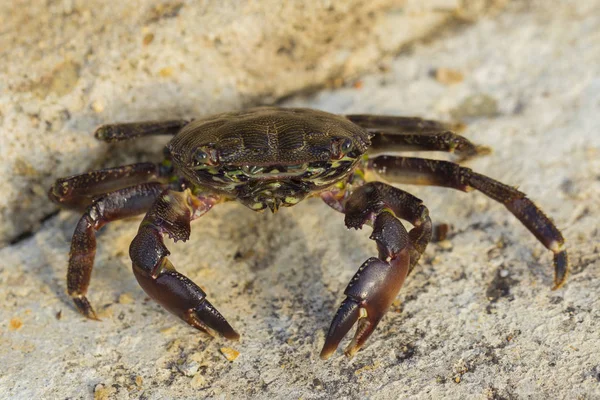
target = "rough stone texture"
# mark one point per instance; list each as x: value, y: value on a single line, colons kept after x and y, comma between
x: 475, y: 320
x: 70, y: 65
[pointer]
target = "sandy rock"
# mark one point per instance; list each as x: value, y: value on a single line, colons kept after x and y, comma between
x: 476, y: 319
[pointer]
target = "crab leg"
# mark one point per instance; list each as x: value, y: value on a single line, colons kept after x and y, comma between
x: 125, y: 131
x: 113, y: 206
x: 395, y: 134
x: 394, y: 124
x: 79, y: 191
x: 377, y: 282
x: 443, y: 173
x: 448, y: 141
x: 171, y: 214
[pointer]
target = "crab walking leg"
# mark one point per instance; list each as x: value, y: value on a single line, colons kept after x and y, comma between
x: 448, y: 141
x: 171, y: 214
x: 442, y: 173
x: 377, y: 282
x: 79, y: 191
x: 125, y: 131
x: 113, y: 206
x: 395, y: 124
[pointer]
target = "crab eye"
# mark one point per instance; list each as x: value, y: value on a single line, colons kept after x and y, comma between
x: 206, y: 155
x: 340, y: 147
x: 346, y: 145
x: 201, y: 157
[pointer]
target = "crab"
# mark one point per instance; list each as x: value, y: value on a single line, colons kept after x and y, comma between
x: 270, y: 157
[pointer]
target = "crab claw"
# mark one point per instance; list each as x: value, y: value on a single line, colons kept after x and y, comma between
x: 208, y: 319
x: 185, y: 299
x: 369, y: 295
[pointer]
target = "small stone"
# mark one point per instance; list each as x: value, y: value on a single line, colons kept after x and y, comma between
x: 125, y: 298
x: 448, y: 76
x: 173, y: 345
x: 366, y: 368
x: 166, y: 72
x: 61, y: 81
x: 105, y: 313
x: 97, y: 106
x: 197, y: 356
x: 229, y: 353
x: 477, y: 105
x: 189, y: 368
x: 102, y: 392
x: 198, y: 381
x: 148, y: 38
x: 168, y: 331
x: 445, y: 245
x: 15, y: 324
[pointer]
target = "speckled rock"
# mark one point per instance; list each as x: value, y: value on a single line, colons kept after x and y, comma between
x: 69, y: 66
x: 476, y: 319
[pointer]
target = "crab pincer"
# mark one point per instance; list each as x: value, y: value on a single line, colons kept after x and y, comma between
x: 373, y: 288
x: 171, y: 214
x: 185, y: 299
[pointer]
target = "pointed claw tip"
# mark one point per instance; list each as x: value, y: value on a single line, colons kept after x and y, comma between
x: 233, y: 335
x: 84, y: 307
x: 326, y: 352
x: 559, y: 282
x: 93, y: 316
x: 221, y: 329
x: 207, y: 318
x: 561, y: 268
x: 226, y: 330
x: 100, y: 133
x: 345, y: 317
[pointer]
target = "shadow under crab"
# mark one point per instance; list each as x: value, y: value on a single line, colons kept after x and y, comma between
x: 272, y: 157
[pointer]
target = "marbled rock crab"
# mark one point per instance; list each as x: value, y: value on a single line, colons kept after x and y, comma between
x: 272, y: 157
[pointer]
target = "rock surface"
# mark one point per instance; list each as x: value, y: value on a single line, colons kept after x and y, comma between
x: 476, y: 319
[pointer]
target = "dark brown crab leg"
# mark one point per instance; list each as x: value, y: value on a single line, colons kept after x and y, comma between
x: 171, y: 214
x: 131, y: 130
x: 447, y: 174
x: 79, y: 191
x: 377, y: 282
x: 448, y: 141
x: 393, y: 124
x: 395, y: 134
x: 115, y: 205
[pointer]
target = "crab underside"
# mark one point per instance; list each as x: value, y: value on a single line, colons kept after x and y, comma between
x: 269, y: 158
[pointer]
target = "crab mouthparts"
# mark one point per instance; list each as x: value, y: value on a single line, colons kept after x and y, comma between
x: 275, y: 171
x: 267, y: 172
